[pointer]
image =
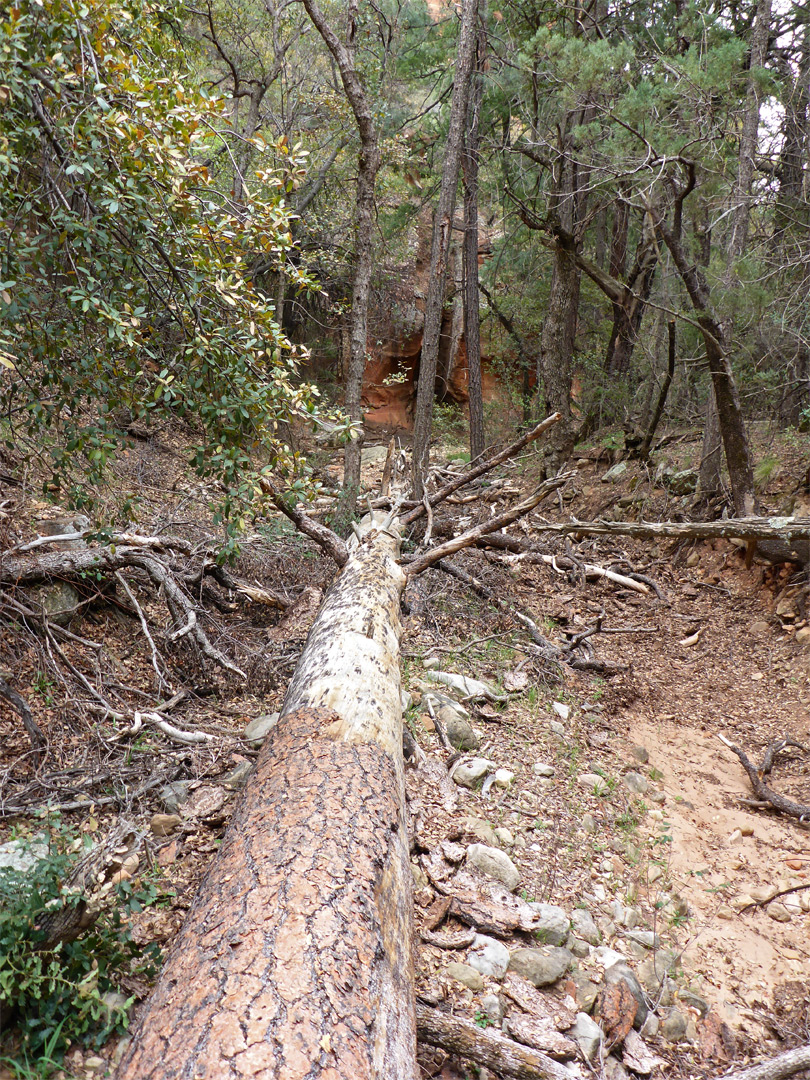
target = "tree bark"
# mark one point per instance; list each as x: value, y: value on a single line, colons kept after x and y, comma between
x: 368, y: 164
x: 440, y: 245
x: 295, y: 959
x: 472, y: 323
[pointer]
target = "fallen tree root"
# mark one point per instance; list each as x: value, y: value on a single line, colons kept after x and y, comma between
x: 488, y: 1048
x: 778, y: 1068
x: 761, y: 790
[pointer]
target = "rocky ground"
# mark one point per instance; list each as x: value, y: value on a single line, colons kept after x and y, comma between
x: 587, y: 877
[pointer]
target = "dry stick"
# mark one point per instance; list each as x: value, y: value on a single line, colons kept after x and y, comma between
x: 751, y: 528
x: 763, y: 792
x: 119, y: 577
x: 500, y: 521
x: 38, y: 740
x: 484, y: 467
x: 504, y: 1056
x: 778, y: 1068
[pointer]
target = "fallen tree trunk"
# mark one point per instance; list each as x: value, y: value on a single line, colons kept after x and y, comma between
x: 295, y: 959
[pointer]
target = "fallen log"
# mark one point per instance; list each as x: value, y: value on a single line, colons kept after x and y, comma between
x: 295, y: 959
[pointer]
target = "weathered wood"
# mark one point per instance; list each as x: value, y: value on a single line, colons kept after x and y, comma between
x: 489, y: 1048
x: 777, y: 1068
x: 295, y: 959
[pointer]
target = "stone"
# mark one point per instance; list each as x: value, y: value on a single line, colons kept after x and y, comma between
x: 638, y: 1057
x: 803, y: 636
x: 656, y: 796
x: 466, y: 975
x: 613, y: 1069
x: 779, y: 913
x: 551, y: 924
x: 505, y: 836
x: 607, y: 957
x: 432, y: 663
x: 454, y: 853
x: 614, y: 473
x: 258, y: 730
x: 652, y: 971
x: 673, y: 1026
x: 405, y: 700
x: 59, y: 526
x: 585, y: 991
x: 556, y: 728
x: 174, y: 795
x: 622, y: 973
x: 236, y: 779
x: 589, y: 823
x: 649, y: 1029
x: 588, y: 1036
x: 635, y: 783
x: 683, y: 482
x: 541, y: 769
x: 593, y: 783
x: 94, y: 1063
x: 22, y: 855
x: 492, y: 1007
x: 543, y: 966
x: 694, y: 1001
x: 693, y: 560
x: 759, y: 628
x: 59, y: 602
x: 584, y: 926
x: 467, y: 772
x: 373, y: 455
x: 503, y: 778
x: 482, y: 829
x: 562, y: 710
x: 459, y: 731
x: 489, y: 956
x: 643, y: 937
x: 205, y: 802
x: 494, y: 863
x: 165, y: 824
x: 578, y: 947
x: 640, y: 753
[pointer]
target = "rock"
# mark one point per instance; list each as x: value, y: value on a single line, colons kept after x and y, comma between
x: 607, y: 957
x: 556, y: 728
x: 563, y: 711
x: 759, y: 628
x: 58, y: 602
x: 164, y: 824
x: 542, y: 967
x: 541, y: 769
x: 683, y: 482
x: 613, y: 1069
x: 640, y: 753
x: 654, y: 873
x: 779, y: 913
x: 205, y: 803
x: 22, y: 855
x: 617, y: 1011
x: 587, y: 1034
x: 593, y: 783
x: 420, y: 878
x: 638, y: 1057
x: 405, y: 700
x: 694, y: 1001
x: 467, y: 772
x: 492, y: 1007
x: 59, y: 526
x: 174, y: 795
x: 258, y: 730
x: 656, y: 796
x: 649, y: 1029
x: 673, y: 1027
x: 614, y: 473
x: 803, y: 636
x: 578, y: 947
x: 584, y: 926
x: 94, y: 1063
x: 468, y: 688
x: 505, y: 836
x: 482, y: 829
x: 589, y: 823
x: 503, y: 778
x: 551, y: 923
x: 489, y: 956
x: 643, y: 937
x: 460, y: 732
x: 454, y: 853
x: 622, y: 973
x: 636, y: 783
x: 236, y: 779
x: 539, y: 1032
x: 494, y: 863
x: 373, y: 455
x: 652, y: 972
x: 432, y: 663
x: 585, y: 991
x: 466, y: 975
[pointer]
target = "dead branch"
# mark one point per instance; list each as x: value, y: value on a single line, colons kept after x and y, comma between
x: 489, y: 1048
x: 590, y: 570
x: 479, y: 470
x: 500, y: 521
x: 34, y: 734
x: 327, y: 540
x: 761, y: 790
x: 777, y: 1068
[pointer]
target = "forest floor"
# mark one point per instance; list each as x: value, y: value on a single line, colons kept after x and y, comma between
x: 661, y: 843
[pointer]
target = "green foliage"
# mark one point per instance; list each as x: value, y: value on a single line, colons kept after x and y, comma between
x: 126, y: 281
x: 67, y: 993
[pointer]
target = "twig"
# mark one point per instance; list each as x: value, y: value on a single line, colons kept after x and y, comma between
x: 38, y: 740
x: 119, y: 577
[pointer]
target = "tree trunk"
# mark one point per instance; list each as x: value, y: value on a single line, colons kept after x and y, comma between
x: 557, y: 350
x: 368, y: 164
x: 472, y: 323
x: 440, y: 245
x: 295, y: 959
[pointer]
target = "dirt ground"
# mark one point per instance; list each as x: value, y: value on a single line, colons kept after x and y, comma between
x: 714, y: 655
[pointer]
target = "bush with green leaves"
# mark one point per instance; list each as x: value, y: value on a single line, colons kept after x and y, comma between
x: 68, y: 993
x: 126, y: 275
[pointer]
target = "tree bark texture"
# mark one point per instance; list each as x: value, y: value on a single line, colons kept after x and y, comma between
x: 368, y: 164
x: 295, y: 959
x: 440, y: 246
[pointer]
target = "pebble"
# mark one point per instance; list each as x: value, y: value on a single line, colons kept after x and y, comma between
x: 431, y: 663
x: 492, y: 1006
x: 584, y: 926
x: 468, y: 772
x: 656, y: 796
x: 563, y: 711
x: 694, y: 1001
x: 607, y: 957
x: 494, y: 863
x: 803, y: 636
x: 174, y: 795
x: 551, y: 924
x: 673, y: 1027
x: 587, y: 1034
x: 593, y: 783
x: 556, y: 728
x: 578, y: 947
x: 589, y: 824
x: 466, y: 975
x: 505, y: 836
x: 503, y: 778
x: 640, y: 753
x: 636, y: 783
x: 649, y: 1029
x: 543, y: 966
x: 258, y: 730
x: 655, y: 873
x: 644, y: 937
x: 164, y: 824
x: 237, y: 777
x: 488, y: 956
x: 541, y: 769
x: 460, y: 733
x: 94, y: 1063
x: 779, y: 913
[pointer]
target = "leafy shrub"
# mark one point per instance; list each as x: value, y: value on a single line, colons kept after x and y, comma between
x: 68, y: 993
